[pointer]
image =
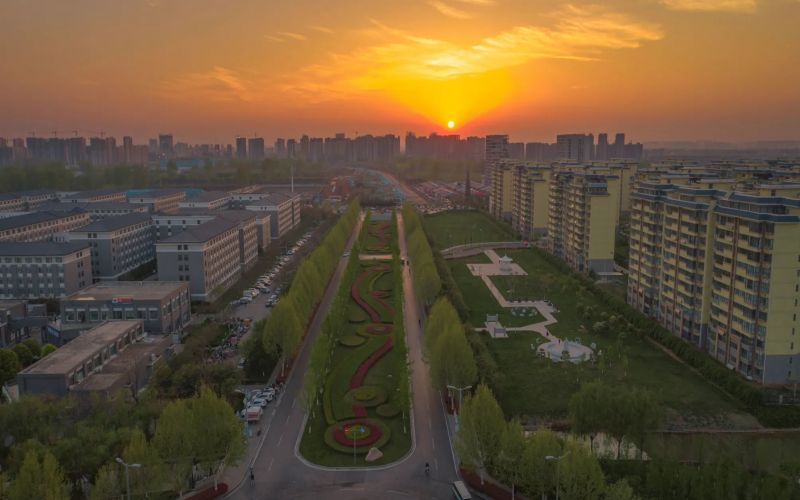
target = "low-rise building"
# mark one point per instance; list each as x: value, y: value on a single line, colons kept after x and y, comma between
x: 119, y: 244
x: 209, y: 200
x: 160, y: 200
x: 44, y: 269
x: 37, y: 197
x: 163, y: 306
x: 41, y: 226
x: 283, y: 209
x: 95, y: 196
x: 20, y: 320
x: 207, y: 256
x: 11, y: 203
x: 111, y: 357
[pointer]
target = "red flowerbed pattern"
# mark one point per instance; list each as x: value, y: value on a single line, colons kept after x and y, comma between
x: 341, y: 437
x: 379, y: 232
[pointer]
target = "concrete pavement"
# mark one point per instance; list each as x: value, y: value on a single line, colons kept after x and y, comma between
x: 278, y: 470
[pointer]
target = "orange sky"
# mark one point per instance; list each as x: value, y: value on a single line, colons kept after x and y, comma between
x: 207, y: 70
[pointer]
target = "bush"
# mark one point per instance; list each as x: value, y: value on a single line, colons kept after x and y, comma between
x: 368, y: 396
x: 352, y: 340
x: 364, y: 393
x: 388, y: 410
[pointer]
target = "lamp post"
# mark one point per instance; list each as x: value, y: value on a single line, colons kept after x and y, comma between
x: 460, y: 391
x: 127, y: 475
x: 557, y: 460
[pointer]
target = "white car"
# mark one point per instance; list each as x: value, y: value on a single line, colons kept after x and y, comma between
x: 259, y: 402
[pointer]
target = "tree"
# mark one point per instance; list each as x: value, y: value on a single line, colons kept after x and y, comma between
x: 34, y: 346
x: 219, y: 438
x: 173, y: 439
x: 510, y: 467
x: 147, y: 477
x: 452, y: 361
x: 39, y: 479
x: 9, y: 365
x: 538, y: 476
x: 621, y: 490
x: 47, y: 349
x: 283, y: 331
x: 24, y: 354
x: 481, y: 428
x: 107, y: 483
x: 580, y: 476
x: 588, y: 410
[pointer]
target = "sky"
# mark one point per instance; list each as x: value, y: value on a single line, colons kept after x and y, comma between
x: 208, y: 70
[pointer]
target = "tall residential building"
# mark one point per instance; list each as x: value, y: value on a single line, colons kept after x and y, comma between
x: 575, y: 147
x: 166, y: 145
x: 280, y: 148
x: 496, y: 150
x: 501, y: 194
x: 255, y: 149
x: 601, y: 152
x: 583, y: 212
x: 530, y: 200
x: 316, y: 151
x: 241, y: 148
x: 291, y: 148
x: 541, y: 152
x: 127, y: 150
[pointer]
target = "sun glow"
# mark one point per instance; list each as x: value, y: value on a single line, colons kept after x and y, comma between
x: 451, y: 124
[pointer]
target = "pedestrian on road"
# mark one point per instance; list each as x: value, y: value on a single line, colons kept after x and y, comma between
x: 252, y: 476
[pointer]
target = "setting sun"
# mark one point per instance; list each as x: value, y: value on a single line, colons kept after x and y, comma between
x: 451, y: 124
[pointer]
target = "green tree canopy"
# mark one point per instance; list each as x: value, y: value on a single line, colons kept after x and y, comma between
x: 24, y: 354
x: 481, y: 428
x: 39, y: 479
x: 9, y: 365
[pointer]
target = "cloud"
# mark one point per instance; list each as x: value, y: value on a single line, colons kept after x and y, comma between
x: 274, y: 38
x: 449, y: 11
x: 482, y: 3
x: 743, y: 6
x: 217, y: 84
x: 294, y: 36
x: 322, y: 29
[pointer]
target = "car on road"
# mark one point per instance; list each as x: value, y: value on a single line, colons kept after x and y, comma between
x: 259, y: 402
x: 245, y: 300
x: 346, y: 255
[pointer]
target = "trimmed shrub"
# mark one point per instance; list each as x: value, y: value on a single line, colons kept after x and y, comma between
x: 367, y: 396
x: 388, y: 410
x: 352, y: 340
x: 355, y: 314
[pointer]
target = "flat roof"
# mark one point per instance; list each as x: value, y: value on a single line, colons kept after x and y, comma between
x: 40, y: 248
x: 208, y: 196
x: 202, y: 232
x: 74, y: 353
x: 94, y: 193
x: 136, y: 290
x: 114, y: 223
x: 120, y: 365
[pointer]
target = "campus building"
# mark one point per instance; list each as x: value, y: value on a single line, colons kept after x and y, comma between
x: 112, y: 357
x: 99, y: 209
x: 119, y: 244
x: 583, y: 210
x: 283, y: 209
x: 160, y: 200
x: 95, y: 196
x: 43, y: 269
x: 162, y: 306
x: 11, y: 203
x: 208, y: 200
x: 41, y: 226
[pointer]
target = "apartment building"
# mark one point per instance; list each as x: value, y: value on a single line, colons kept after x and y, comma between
x: 119, y: 244
x: 112, y: 357
x: 11, y: 203
x: 530, y: 188
x: 208, y: 256
x: 582, y: 215
x: 159, y: 200
x: 501, y: 188
x: 208, y: 200
x: 163, y: 306
x: 43, y: 269
x: 727, y: 273
x: 95, y: 196
x: 41, y: 226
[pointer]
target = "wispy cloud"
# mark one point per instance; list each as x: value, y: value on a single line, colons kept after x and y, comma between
x: 274, y: 38
x: 483, y: 3
x: 218, y: 84
x: 449, y: 10
x: 294, y: 36
x: 322, y: 29
x: 743, y: 6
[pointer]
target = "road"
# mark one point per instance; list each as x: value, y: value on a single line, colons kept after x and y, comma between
x: 280, y: 472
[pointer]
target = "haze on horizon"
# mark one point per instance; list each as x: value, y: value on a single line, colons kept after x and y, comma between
x: 206, y: 70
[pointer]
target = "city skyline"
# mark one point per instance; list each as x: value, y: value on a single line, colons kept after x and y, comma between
x: 665, y: 70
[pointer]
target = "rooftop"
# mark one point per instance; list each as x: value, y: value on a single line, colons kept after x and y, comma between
x: 93, y: 193
x: 202, y: 232
x: 114, y: 223
x: 74, y: 353
x: 33, y: 218
x: 40, y: 248
x: 119, y: 367
x: 209, y: 196
x: 136, y: 290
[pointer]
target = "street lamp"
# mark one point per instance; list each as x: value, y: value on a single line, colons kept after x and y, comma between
x: 460, y: 391
x: 127, y: 475
x: 557, y: 460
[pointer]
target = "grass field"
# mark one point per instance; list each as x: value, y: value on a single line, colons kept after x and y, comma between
x: 533, y: 387
x: 458, y: 227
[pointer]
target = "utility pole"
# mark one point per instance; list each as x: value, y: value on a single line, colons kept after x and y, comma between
x: 557, y: 460
x: 460, y: 392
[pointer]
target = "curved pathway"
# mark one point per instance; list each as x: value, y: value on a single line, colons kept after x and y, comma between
x: 280, y: 473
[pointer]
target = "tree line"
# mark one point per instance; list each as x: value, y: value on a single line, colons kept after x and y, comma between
x: 21, y: 356
x: 284, y: 329
x: 427, y: 283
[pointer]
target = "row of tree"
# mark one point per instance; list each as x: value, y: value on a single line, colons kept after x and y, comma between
x: 538, y: 464
x: 20, y: 356
x: 427, y: 283
x: 58, y: 445
x: 284, y: 330
x: 449, y: 353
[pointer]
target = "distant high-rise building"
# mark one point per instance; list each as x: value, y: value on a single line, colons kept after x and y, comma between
x: 241, y: 148
x: 316, y: 153
x: 291, y: 148
x: 280, y: 148
x: 304, y: 147
x: 601, y: 153
x: 127, y: 149
x: 541, y: 151
x: 166, y: 145
x: 516, y: 150
x: 255, y: 148
x: 496, y: 150
x: 575, y: 147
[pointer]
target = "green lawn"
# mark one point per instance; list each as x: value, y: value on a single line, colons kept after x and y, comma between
x: 383, y: 375
x: 458, y: 227
x: 533, y: 387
